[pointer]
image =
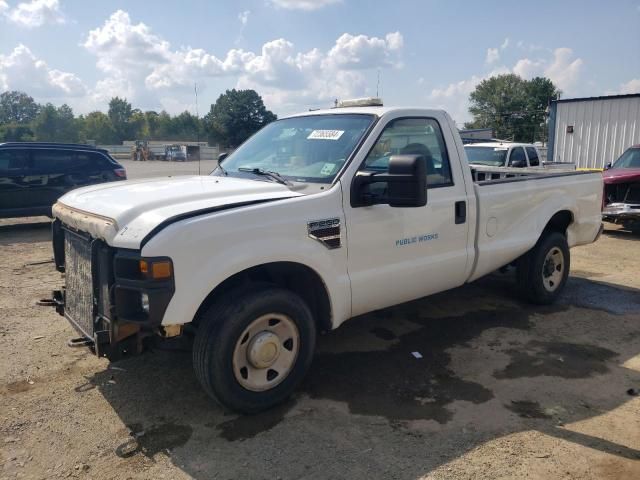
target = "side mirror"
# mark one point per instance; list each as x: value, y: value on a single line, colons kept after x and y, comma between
x: 222, y: 156
x: 406, y: 184
x: 518, y: 163
x: 607, y: 166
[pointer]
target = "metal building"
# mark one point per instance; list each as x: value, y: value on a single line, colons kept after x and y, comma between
x: 593, y: 131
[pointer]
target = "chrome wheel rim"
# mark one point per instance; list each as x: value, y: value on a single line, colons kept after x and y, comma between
x: 266, y: 352
x: 553, y: 269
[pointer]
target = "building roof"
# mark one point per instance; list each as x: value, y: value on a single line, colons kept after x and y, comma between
x: 604, y: 97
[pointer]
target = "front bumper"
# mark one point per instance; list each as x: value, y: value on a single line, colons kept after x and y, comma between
x: 102, y: 298
x: 621, y: 211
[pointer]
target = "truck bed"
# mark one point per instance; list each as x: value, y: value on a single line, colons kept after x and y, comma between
x: 514, y: 208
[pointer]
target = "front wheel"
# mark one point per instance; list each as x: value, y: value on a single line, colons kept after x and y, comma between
x: 253, y: 348
x: 542, y: 272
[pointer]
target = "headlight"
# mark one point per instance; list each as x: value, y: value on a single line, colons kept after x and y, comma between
x: 144, y: 301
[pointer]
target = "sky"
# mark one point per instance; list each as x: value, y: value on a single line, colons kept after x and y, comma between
x: 301, y: 54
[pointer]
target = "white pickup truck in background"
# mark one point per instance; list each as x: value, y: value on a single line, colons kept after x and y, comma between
x: 315, y: 219
x: 503, y: 154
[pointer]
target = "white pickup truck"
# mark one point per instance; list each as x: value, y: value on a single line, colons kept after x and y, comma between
x: 315, y: 219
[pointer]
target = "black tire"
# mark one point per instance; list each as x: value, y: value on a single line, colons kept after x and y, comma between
x: 532, y: 270
x: 219, y: 331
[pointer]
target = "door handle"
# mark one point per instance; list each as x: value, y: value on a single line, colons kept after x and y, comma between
x: 461, y: 212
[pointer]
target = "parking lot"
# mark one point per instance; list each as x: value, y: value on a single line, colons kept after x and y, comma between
x: 503, y: 389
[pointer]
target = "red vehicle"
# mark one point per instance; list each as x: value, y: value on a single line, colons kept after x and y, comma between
x: 622, y: 189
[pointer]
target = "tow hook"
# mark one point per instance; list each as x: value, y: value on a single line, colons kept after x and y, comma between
x: 79, y: 342
x: 56, y: 301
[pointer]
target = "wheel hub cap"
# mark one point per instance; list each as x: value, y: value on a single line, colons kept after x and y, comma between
x: 553, y: 269
x: 266, y: 352
x: 264, y: 349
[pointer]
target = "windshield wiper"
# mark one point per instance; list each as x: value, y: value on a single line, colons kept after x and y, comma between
x: 266, y: 173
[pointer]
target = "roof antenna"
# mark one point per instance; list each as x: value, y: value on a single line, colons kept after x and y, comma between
x: 378, y: 85
x: 195, y: 89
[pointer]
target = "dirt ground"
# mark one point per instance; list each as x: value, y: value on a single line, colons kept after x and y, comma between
x: 503, y: 390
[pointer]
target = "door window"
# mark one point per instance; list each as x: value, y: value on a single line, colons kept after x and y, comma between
x: 86, y: 162
x: 12, y: 162
x: 534, y: 161
x: 52, y: 161
x: 517, y: 158
x: 413, y: 136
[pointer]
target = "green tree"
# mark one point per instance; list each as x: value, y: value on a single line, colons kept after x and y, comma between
x: 97, y: 126
x: 55, y: 125
x: 138, y: 127
x: 14, y: 132
x: 151, y: 120
x: 186, y: 126
x: 164, y: 126
x: 120, y: 112
x: 17, y: 108
x: 514, y: 108
x: 236, y: 115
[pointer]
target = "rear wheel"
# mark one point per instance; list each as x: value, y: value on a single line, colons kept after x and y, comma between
x: 542, y: 272
x: 253, y: 348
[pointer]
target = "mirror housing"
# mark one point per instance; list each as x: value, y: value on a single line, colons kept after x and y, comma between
x: 518, y: 164
x: 222, y: 156
x: 406, y: 184
x: 607, y: 166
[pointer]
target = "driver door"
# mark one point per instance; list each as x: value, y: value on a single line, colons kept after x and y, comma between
x: 399, y: 254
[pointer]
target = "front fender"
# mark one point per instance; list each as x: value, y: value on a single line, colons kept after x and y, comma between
x: 209, y: 249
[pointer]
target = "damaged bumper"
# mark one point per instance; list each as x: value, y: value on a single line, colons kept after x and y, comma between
x: 109, y: 301
x: 621, y: 211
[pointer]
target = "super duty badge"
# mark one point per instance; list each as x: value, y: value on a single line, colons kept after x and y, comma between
x: 325, y: 231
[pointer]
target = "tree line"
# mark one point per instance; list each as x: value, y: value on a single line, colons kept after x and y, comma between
x: 516, y: 109
x: 234, y: 116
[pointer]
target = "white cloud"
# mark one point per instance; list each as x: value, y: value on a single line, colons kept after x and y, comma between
x: 302, y: 4
x: 562, y: 68
x: 34, y: 13
x: 564, y: 71
x: 505, y: 44
x: 528, y: 69
x: 244, y: 17
x: 632, y: 86
x: 137, y: 61
x: 361, y: 52
x: 454, y: 98
x: 21, y: 70
x: 492, y: 56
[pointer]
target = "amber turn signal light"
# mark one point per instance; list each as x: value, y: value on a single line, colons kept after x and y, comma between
x: 157, y: 270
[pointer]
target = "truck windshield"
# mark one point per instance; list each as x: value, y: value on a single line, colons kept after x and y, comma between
x: 301, y: 149
x: 629, y: 159
x: 490, y: 156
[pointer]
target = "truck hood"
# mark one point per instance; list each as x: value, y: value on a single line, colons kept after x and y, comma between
x: 621, y: 175
x: 124, y: 213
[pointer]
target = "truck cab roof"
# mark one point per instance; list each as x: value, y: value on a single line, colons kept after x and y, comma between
x: 377, y: 111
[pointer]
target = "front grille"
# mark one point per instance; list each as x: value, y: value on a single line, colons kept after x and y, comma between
x: 622, y: 193
x: 79, y: 282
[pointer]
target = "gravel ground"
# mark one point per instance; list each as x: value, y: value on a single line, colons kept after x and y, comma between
x: 504, y: 389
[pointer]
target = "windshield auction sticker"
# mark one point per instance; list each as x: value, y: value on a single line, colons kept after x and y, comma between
x: 325, y: 135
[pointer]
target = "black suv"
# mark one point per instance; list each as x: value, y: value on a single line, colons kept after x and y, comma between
x: 34, y: 175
